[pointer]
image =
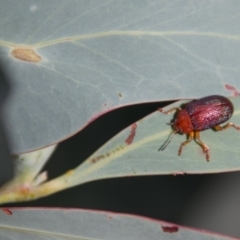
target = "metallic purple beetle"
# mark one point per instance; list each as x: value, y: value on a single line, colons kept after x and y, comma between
x: 199, y: 115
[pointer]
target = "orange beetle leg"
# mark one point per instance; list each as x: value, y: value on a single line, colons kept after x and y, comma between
x: 219, y: 128
x: 190, y: 138
x: 202, y: 144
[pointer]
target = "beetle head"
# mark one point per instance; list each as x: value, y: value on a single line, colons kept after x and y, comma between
x: 182, y: 123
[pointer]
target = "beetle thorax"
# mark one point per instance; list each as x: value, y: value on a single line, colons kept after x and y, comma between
x: 183, y: 123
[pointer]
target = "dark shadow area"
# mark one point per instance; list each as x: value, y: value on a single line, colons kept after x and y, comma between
x: 6, y: 166
x: 76, y: 149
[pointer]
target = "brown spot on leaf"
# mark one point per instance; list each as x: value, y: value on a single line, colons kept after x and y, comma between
x: 106, y: 155
x: 96, y: 159
x: 26, y: 54
x: 120, y: 95
x: 132, y: 134
x: 7, y: 211
x: 170, y: 229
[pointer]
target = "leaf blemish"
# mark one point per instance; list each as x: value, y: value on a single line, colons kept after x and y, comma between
x: 170, y: 229
x: 106, y: 155
x: 232, y: 88
x: 7, y: 211
x: 132, y: 134
x: 96, y: 159
x: 26, y: 54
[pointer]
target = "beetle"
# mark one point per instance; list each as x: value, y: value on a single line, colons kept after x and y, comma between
x: 199, y: 115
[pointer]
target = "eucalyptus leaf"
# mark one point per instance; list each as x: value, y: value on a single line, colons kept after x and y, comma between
x: 134, y: 152
x: 27, y: 168
x: 118, y: 158
x: 70, y: 61
x: 85, y: 224
x: 27, y: 175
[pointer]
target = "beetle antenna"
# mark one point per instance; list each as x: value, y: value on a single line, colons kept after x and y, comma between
x: 168, y: 141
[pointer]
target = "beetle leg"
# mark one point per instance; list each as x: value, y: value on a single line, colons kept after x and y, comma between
x: 169, y: 111
x: 202, y: 144
x: 190, y: 138
x: 219, y: 128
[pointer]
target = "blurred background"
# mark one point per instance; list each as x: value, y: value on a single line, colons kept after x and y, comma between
x: 208, y: 202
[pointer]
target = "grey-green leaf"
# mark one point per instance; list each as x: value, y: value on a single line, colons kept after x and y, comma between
x: 141, y: 156
x: 85, y: 224
x: 134, y: 152
x: 71, y: 60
